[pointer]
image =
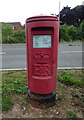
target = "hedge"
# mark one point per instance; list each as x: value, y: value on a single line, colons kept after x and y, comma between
x: 67, y: 33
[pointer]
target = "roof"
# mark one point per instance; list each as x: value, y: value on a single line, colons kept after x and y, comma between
x: 13, y: 23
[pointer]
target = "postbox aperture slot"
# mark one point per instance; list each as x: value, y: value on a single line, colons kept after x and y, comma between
x: 42, y: 41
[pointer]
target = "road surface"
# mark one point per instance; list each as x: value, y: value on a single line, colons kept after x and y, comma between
x: 14, y: 56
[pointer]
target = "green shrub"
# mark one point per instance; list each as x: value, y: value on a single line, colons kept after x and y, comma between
x: 81, y: 30
x: 63, y: 35
x: 7, y: 33
x: 12, y: 36
x: 66, y: 33
x: 19, y: 36
x: 72, y: 32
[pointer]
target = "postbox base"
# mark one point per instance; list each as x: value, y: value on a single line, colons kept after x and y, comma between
x: 42, y: 100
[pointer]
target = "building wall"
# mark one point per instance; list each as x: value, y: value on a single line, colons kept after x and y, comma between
x: 19, y: 26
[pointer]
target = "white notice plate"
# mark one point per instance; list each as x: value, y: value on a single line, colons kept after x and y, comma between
x: 42, y: 41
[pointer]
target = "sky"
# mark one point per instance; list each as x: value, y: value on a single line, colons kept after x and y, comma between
x: 20, y: 10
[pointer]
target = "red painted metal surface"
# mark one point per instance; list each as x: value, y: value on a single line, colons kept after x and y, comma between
x: 42, y: 62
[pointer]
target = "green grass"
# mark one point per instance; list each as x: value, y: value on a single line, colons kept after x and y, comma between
x: 71, y: 77
x: 61, y: 97
x: 73, y: 41
x: 71, y: 114
x: 6, y: 102
x: 15, y: 83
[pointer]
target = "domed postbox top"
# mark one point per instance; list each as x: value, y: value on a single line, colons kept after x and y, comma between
x: 42, y: 18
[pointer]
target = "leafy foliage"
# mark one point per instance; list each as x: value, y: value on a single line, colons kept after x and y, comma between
x: 64, y: 33
x: 67, y: 33
x: 19, y: 36
x: 7, y: 33
x: 72, y: 16
x: 81, y: 28
x: 11, y: 36
x: 71, y: 33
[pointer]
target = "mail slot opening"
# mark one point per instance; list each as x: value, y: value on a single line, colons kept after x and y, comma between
x: 42, y: 29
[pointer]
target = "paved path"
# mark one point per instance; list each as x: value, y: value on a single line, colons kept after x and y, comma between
x: 14, y: 56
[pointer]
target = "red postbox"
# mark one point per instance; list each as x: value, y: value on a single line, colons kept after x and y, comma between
x: 42, y: 34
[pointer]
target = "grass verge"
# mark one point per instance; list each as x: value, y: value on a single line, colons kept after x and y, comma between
x: 75, y: 41
x: 15, y: 83
x: 71, y: 77
x: 71, y: 114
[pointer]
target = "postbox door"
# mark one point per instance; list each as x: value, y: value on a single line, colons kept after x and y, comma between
x: 42, y: 53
